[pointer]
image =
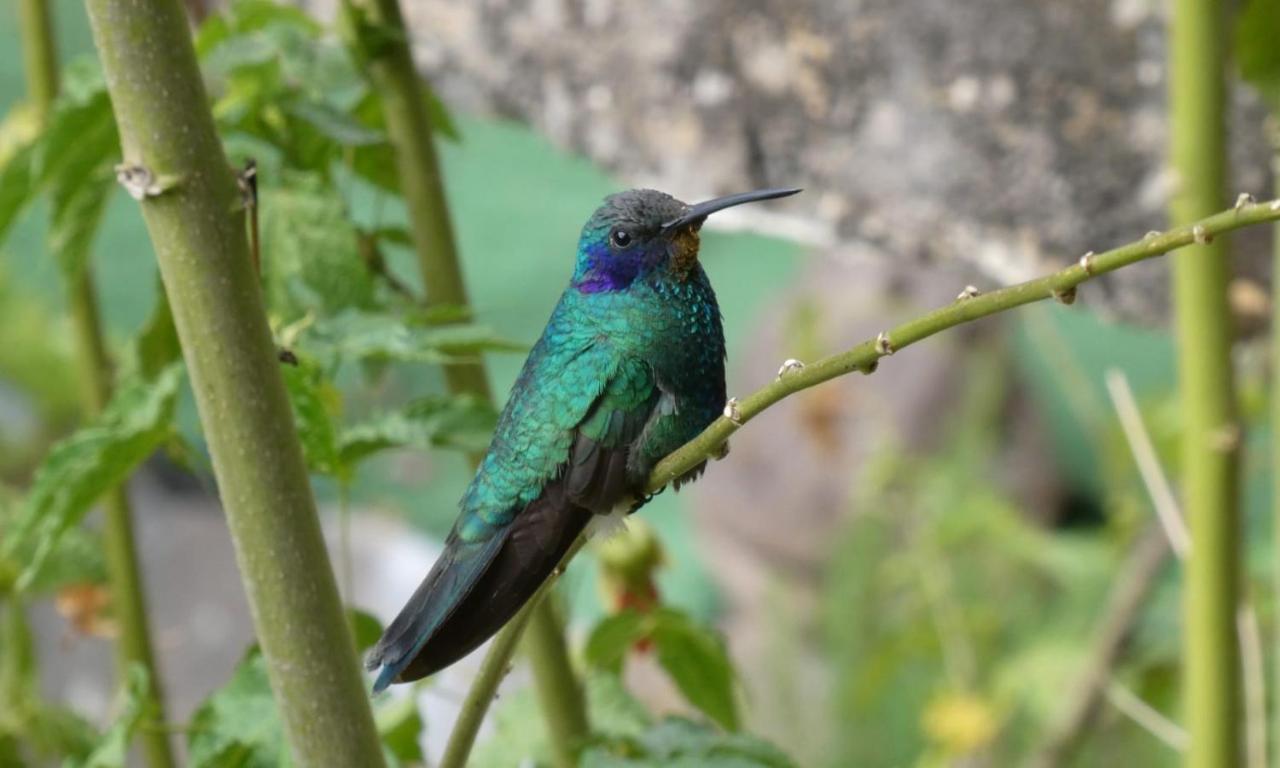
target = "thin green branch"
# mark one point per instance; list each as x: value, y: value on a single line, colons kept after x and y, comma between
x: 174, y: 163
x: 1211, y: 434
x: 864, y: 357
x: 128, y: 595
x: 383, y: 42
x: 494, y: 667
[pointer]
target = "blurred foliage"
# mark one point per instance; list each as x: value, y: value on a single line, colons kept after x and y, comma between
x: 960, y: 646
x: 626, y: 735
x: 1256, y: 49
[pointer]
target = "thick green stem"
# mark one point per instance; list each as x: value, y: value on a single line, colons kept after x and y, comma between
x: 173, y: 159
x: 1210, y: 432
x: 404, y: 98
x: 128, y: 597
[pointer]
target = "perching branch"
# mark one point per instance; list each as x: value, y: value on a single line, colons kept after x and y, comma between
x: 173, y: 163
x: 969, y: 306
x: 865, y: 356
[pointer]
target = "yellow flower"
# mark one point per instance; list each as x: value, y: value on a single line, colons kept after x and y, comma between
x: 959, y: 722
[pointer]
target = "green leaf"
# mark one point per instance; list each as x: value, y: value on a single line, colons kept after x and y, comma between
x: 19, y: 128
x: 698, y: 663
x: 1257, y: 32
x: 400, y: 726
x: 365, y: 628
x: 614, y: 711
x: 335, y: 125
x: 113, y: 750
x: 613, y: 637
x: 239, y: 725
x: 73, y: 157
x: 17, y: 184
x: 378, y: 165
x: 95, y: 459
x: 77, y: 213
x: 317, y: 403
x: 76, y: 559
x: 676, y: 742
x: 439, y: 115
x: 155, y: 346
x: 519, y: 736
x: 361, y: 336
x: 309, y: 254
x: 461, y: 422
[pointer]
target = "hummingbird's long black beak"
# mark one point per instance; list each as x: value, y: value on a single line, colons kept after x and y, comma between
x: 697, y: 213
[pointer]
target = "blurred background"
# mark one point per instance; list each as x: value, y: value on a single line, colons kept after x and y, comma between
x: 908, y: 568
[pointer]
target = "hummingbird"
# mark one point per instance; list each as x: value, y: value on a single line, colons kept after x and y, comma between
x: 629, y: 367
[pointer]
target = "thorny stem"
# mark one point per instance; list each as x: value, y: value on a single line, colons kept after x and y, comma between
x: 127, y: 591
x: 196, y: 224
x: 864, y: 357
x: 1210, y: 430
x: 404, y: 97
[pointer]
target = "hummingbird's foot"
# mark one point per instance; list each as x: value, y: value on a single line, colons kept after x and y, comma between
x: 640, y: 501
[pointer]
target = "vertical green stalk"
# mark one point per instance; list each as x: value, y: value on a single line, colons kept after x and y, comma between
x: 1273, y: 130
x: 558, y: 695
x: 404, y: 96
x: 1211, y: 433
x: 39, y: 55
x: 128, y: 597
x: 194, y: 214
x: 404, y: 101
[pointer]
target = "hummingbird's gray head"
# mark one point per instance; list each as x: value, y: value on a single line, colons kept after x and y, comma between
x: 639, y: 231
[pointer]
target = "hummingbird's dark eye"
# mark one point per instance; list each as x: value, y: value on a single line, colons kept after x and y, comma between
x: 620, y: 238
